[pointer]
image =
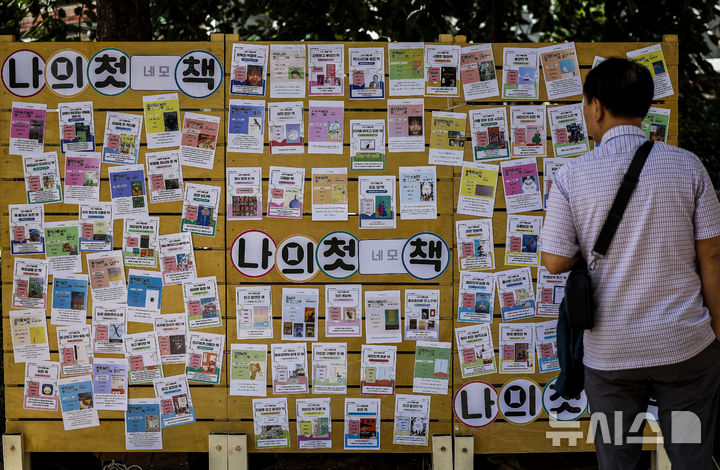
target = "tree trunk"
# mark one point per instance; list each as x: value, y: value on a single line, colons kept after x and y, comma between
x: 124, y: 20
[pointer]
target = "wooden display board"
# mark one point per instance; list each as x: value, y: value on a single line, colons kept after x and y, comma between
x: 216, y: 410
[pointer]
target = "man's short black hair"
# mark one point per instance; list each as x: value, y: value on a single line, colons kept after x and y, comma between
x: 624, y: 87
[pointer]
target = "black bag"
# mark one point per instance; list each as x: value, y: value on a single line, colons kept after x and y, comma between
x: 571, y: 380
x: 578, y: 288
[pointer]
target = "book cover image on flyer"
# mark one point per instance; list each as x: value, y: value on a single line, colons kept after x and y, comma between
x: 520, y: 73
x: 432, y: 367
x: 515, y: 292
x: 478, y: 182
x: 202, y: 303
x: 107, y: 277
x: 289, y: 368
x: 521, y: 184
x: 489, y: 134
x: 248, y: 69
x: 27, y: 236
x: 527, y: 131
x: 656, y: 124
x: 568, y: 130
x: 286, y: 127
x: 246, y: 126
x: 653, y: 59
x: 270, y: 423
x: 442, y: 65
x: 200, y: 209
x: 326, y: 68
x: 561, y: 70
x: 42, y: 178
x: 248, y: 369
x: 476, y: 297
x: 287, y: 70
x: 367, y: 73
x: 286, y: 190
x: 77, y: 127
x: 314, y: 426
x: 244, y: 193
x: 27, y: 128
x: 122, y: 138
x: 475, y: 350
x: 162, y: 120
x: 367, y: 144
x: 376, y: 201
x: 412, y: 420
x: 362, y: 424
x: 475, y: 246
x: 477, y: 70
x: 406, y: 68
x: 329, y: 368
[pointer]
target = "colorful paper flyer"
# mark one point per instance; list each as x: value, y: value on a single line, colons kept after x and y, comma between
x: 27, y: 128
x: 244, y: 193
x: 442, y: 70
x: 432, y: 367
x: 546, y: 345
x: 362, y: 424
x: 656, y: 124
x: 568, y: 130
x: 30, y: 283
x: 61, y: 247
x: 69, y: 299
x: 142, y: 424
x: 326, y: 69
x: 367, y: 73
x: 478, y: 182
x: 550, y: 166
x: 521, y: 240
x: 77, y: 127
x: 475, y: 350
x: 382, y: 316
x: 96, y: 226
x: 176, y: 404
x: 376, y: 202
x: 28, y: 329
x: 521, y: 185
x: 286, y: 127
x: 314, y: 426
x: 110, y: 383
x: 367, y: 144
x: 27, y: 236
x: 248, y: 369
x: 527, y: 131
x: 418, y: 195
x: 40, y: 390
x: 177, y: 258
x: 248, y: 69
x: 77, y: 404
x: 378, y: 369
x: 270, y: 423
x: 107, y: 277
x: 477, y: 69
x: 561, y: 70
x: 144, y: 295
x: 515, y: 293
x: 171, y: 329
x: 343, y: 310
x: 329, y: 193
x: 127, y: 191
x: 289, y: 368
x: 447, y: 138
x: 325, y: 127
x: 286, y: 189
x: 162, y: 120
x: 202, y: 304
x: 406, y: 68
x: 422, y: 314
x: 406, y: 118
x: 75, y: 350
x: 549, y: 293
x: 200, y: 209
x: 253, y: 312
x: 517, y: 348
x: 475, y: 246
x: 652, y: 58
x: 140, y: 246
x: 199, y: 140
x: 141, y: 352
x: 411, y: 425
x: 246, y: 126
x: 520, y: 73
x: 299, y: 314
x: 476, y: 297
x: 164, y: 176
x: 329, y: 368
x: 287, y: 70
x: 489, y: 134
x: 42, y: 178
x: 109, y: 325
x: 82, y: 177
x: 204, y: 357
x: 122, y: 138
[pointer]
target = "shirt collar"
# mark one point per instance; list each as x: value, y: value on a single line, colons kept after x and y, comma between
x: 617, y: 131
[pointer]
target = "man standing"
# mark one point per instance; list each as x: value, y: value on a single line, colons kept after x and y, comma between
x: 657, y: 290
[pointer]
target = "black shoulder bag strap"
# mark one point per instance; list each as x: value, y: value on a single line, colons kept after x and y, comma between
x: 622, y: 197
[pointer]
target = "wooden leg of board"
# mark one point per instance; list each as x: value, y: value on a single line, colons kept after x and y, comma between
x: 218, y: 451
x: 237, y: 452
x: 14, y: 455
x: 659, y: 459
x: 442, y: 452
x: 464, y: 452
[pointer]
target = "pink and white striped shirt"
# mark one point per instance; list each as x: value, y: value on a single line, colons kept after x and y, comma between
x: 650, y: 308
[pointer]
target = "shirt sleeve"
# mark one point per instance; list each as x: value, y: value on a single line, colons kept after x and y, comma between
x: 558, y: 235
x: 707, y: 208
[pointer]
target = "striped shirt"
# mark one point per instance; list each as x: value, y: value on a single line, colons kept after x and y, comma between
x: 650, y: 308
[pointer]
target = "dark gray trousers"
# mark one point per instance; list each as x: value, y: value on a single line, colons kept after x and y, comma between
x: 689, y: 386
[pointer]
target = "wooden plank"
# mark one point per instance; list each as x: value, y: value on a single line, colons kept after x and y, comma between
x: 14, y: 455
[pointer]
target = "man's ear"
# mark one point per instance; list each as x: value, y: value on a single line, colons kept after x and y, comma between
x: 597, y: 110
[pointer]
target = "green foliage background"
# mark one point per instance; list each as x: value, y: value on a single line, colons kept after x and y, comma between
x: 424, y: 20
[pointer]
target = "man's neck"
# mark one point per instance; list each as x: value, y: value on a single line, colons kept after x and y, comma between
x: 611, y: 122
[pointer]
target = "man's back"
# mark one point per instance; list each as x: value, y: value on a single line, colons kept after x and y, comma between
x: 649, y: 306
